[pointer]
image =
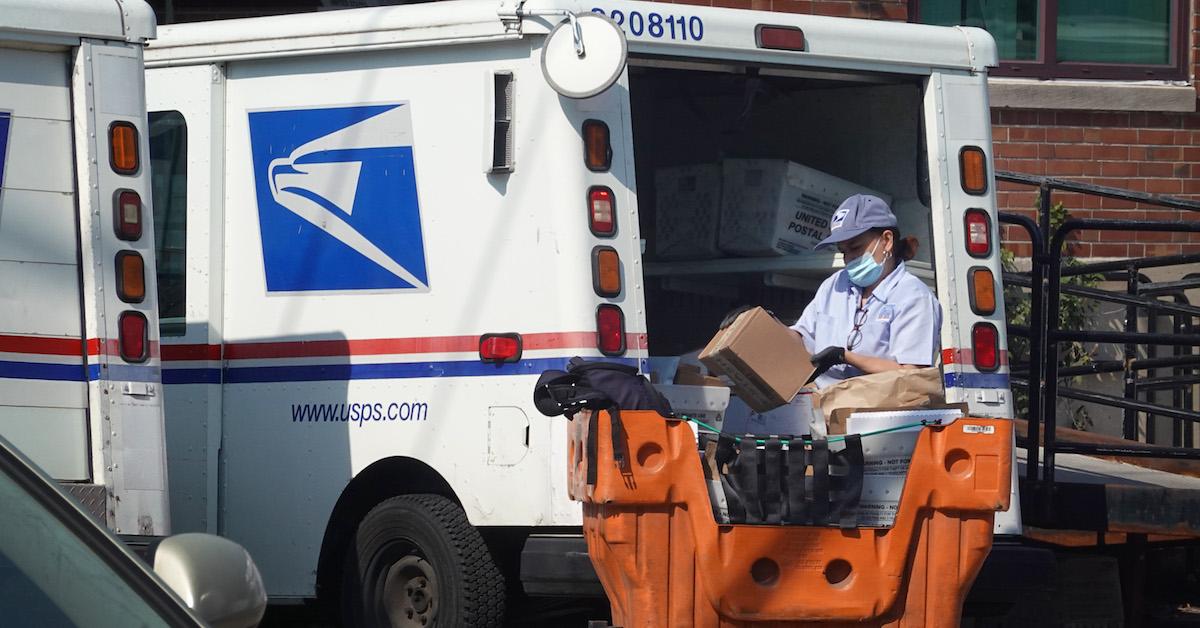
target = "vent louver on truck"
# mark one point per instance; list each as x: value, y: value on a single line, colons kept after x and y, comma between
x: 502, y: 120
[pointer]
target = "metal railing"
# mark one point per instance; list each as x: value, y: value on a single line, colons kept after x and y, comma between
x: 1141, y: 297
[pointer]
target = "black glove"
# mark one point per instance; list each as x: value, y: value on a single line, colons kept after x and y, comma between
x: 828, y: 357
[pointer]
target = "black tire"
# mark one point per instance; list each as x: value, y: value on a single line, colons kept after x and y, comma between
x: 414, y: 558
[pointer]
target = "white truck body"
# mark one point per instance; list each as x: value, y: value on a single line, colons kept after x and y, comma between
x: 69, y: 71
x: 349, y: 240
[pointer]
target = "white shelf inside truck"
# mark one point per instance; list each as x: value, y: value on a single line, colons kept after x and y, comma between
x: 815, y: 265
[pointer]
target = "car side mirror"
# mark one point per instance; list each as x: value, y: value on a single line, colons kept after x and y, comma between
x: 215, y: 577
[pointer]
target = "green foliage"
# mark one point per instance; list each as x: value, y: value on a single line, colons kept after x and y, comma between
x: 1074, y: 312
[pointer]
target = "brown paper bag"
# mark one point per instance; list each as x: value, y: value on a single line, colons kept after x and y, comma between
x: 901, y: 388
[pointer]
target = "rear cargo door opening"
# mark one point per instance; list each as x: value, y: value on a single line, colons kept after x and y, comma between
x: 44, y: 370
x: 711, y: 141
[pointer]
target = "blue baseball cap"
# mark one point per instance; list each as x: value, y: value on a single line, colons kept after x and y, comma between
x: 855, y: 216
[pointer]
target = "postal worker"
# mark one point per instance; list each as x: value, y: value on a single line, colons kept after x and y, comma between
x: 873, y: 315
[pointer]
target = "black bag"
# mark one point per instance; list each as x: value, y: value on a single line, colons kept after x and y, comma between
x: 598, y: 386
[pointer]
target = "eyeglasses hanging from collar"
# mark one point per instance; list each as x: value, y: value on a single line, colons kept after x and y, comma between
x: 860, y: 319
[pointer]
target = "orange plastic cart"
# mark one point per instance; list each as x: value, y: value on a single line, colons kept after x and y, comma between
x: 665, y: 562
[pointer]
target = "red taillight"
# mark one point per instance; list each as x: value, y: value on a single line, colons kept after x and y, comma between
x: 134, y: 342
x: 597, y: 151
x: 979, y: 233
x: 123, y: 148
x: 985, y: 346
x: 779, y: 37
x: 610, y: 330
x: 602, y: 211
x: 127, y: 215
x: 500, y: 348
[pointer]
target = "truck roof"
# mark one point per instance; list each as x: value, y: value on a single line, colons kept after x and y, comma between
x: 51, y: 20
x: 727, y: 33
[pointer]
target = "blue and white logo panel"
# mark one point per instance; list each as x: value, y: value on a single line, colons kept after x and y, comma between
x: 337, y: 199
x: 5, y: 123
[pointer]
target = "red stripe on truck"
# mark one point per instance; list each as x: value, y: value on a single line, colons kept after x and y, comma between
x: 191, y: 352
x: 966, y: 356
x: 74, y: 347
x: 381, y: 346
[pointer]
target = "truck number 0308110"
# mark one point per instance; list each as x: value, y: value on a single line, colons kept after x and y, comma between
x: 655, y: 25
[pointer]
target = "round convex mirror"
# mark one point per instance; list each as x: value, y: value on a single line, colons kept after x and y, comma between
x: 583, y: 76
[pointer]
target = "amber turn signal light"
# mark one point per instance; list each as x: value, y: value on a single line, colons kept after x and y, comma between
x: 972, y: 166
x: 131, y: 277
x: 123, y: 147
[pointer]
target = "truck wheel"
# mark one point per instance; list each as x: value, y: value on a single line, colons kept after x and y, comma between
x: 416, y: 561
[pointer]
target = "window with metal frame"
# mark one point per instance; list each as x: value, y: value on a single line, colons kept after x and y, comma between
x: 1099, y: 39
x: 168, y: 168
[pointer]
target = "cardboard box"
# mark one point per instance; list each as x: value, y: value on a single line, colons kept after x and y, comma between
x: 687, y: 211
x: 766, y: 362
x: 690, y: 375
x: 778, y: 207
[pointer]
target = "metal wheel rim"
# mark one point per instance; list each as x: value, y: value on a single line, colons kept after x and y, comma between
x: 410, y: 593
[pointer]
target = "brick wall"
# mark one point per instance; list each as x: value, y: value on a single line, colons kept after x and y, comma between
x: 1147, y: 152
x: 1153, y: 152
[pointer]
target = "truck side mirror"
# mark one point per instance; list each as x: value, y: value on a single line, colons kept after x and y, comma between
x: 570, y: 70
x: 215, y: 577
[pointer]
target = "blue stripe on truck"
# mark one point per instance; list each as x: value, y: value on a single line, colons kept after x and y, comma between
x: 345, y: 372
x: 394, y: 370
x: 191, y: 376
x: 976, y: 380
x: 49, y: 372
x: 76, y: 372
x: 132, y: 373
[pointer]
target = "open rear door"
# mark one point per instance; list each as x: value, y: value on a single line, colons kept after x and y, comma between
x: 43, y: 355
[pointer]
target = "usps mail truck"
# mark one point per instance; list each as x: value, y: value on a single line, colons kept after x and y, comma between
x: 79, y: 376
x: 385, y: 223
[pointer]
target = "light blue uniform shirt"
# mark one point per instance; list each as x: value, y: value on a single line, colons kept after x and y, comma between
x: 903, y: 322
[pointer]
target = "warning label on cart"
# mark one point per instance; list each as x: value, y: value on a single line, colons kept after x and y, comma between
x: 337, y: 199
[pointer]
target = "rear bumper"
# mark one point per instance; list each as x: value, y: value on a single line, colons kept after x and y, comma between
x: 558, y: 565
x: 1013, y: 572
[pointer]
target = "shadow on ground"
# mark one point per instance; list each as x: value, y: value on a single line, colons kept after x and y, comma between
x: 532, y: 613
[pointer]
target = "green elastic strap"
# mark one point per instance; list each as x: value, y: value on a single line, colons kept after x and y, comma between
x: 831, y: 439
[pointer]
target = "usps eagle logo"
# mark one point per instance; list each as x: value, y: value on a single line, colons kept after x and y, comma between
x: 839, y: 218
x: 337, y: 199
